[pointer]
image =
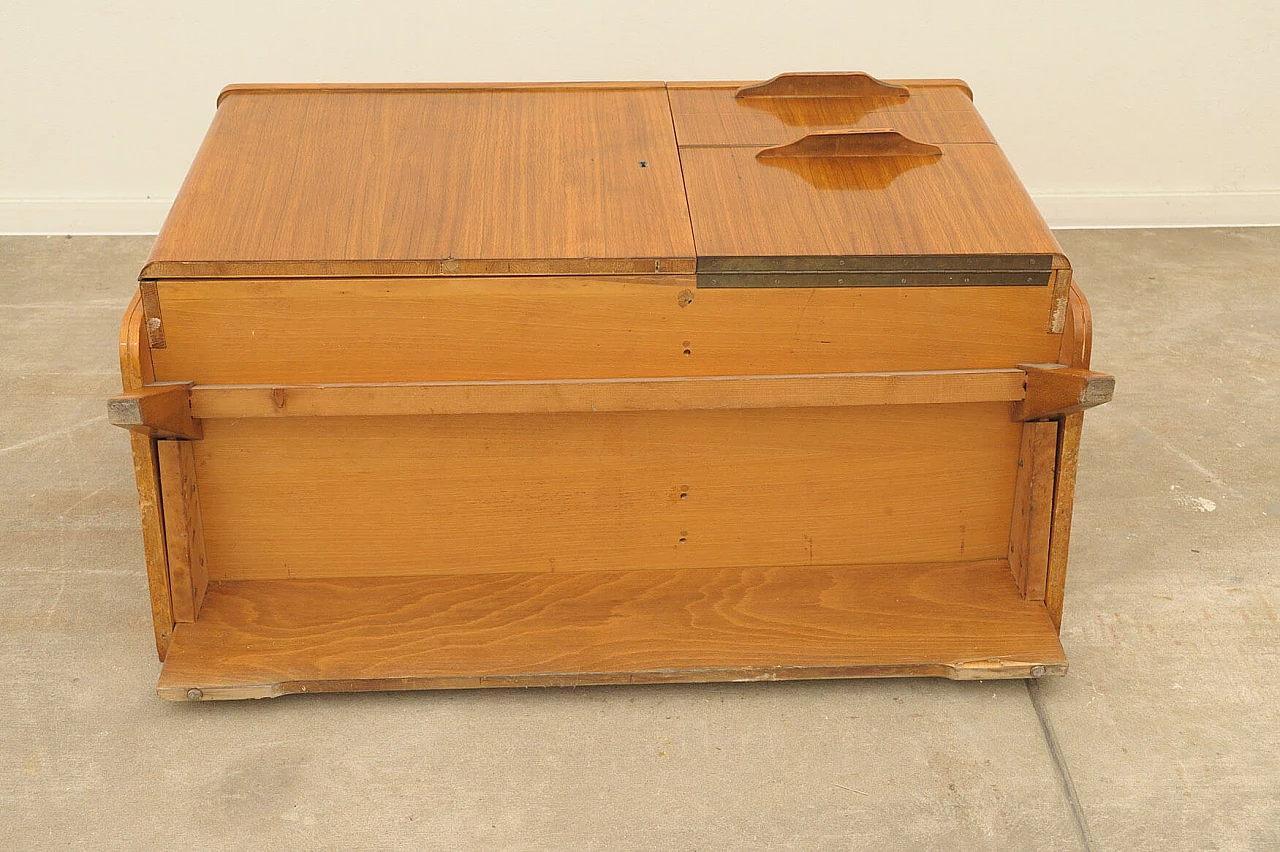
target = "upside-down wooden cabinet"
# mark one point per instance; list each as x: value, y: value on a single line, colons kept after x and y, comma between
x: 509, y: 385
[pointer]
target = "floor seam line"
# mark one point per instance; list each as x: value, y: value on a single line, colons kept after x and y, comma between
x: 1060, y: 764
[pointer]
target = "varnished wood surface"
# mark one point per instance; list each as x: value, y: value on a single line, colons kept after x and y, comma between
x: 713, y: 116
x: 1077, y: 349
x: 1064, y: 495
x: 297, y: 497
x: 480, y: 329
x: 183, y: 531
x: 828, y: 144
x: 1033, y: 509
x: 601, y: 395
x: 680, y: 455
x: 136, y: 371
x: 262, y: 639
x: 421, y: 88
x: 968, y: 201
x: 831, y: 84
x: 432, y: 182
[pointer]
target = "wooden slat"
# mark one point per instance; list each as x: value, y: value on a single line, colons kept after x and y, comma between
x: 421, y: 182
x: 600, y: 395
x: 262, y: 639
x: 482, y: 329
x: 296, y: 497
x: 1064, y: 495
x: 136, y: 370
x: 1033, y: 509
x: 184, y: 533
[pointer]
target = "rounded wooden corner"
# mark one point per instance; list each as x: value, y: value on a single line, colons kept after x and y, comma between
x: 1077, y: 338
x: 233, y: 89
x: 962, y: 85
x: 131, y: 343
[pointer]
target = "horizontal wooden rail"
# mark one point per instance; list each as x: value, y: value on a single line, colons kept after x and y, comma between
x: 595, y: 395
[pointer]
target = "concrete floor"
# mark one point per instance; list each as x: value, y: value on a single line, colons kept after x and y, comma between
x: 1165, y: 734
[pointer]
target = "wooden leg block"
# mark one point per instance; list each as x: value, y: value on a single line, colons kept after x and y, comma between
x: 184, y: 535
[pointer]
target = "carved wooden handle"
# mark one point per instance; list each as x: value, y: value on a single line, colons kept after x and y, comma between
x: 853, y: 84
x: 851, y: 143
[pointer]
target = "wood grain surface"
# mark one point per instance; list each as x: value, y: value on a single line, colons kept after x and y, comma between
x: 1033, y: 509
x: 478, y: 329
x: 421, y: 88
x: 713, y: 116
x: 433, y: 183
x: 297, y: 497
x: 183, y: 530
x: 831, y: 84
x: 136, y: 371
x: 1077, y: 350
x: 968, y: 201
x: 601, y: 395
x: 267, y: 638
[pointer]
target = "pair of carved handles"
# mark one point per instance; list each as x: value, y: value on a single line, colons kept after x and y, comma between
x: 879, y: 142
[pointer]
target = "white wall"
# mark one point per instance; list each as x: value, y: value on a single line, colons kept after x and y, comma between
x: 1115, y: 113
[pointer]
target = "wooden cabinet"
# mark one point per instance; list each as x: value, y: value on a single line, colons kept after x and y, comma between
x: 507, y: 385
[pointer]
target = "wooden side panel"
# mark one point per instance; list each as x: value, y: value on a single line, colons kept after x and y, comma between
x: 136, y: 370
x: 1033, y: 509
x: 259, y: 639
x: 572, y: 492
x: 184, y: 534
x: 1077, y: 349
x: 415, y: 330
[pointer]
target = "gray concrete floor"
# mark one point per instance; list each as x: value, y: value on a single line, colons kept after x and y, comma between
x: 1165, y: 734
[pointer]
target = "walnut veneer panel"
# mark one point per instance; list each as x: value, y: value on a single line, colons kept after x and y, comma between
x: 431, y: 182
x: 967, y: 201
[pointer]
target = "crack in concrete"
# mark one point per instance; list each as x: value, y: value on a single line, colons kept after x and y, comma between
x: 40, y: 439
x: 1060, y: 763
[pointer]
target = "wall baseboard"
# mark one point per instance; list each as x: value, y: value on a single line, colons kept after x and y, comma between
x: 82, y: 216
x: 1160, y: 209
x: 1119, y: 210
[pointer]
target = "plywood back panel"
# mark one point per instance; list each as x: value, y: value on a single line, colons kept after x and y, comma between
x: 417, y: 330
x: 363, y: 496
